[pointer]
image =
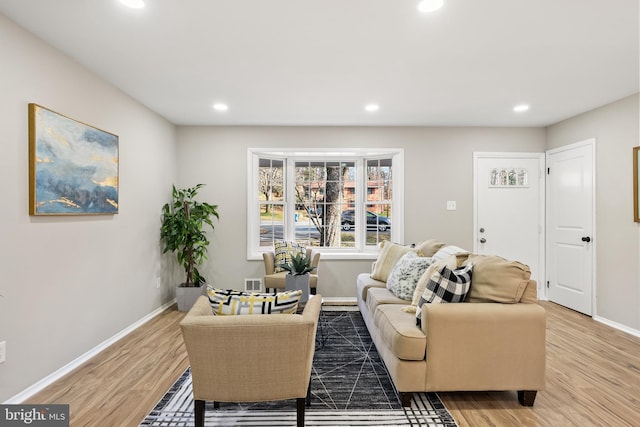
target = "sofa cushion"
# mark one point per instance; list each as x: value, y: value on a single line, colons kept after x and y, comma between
x: 446, y: 286
x: 364, y: 282
x: 230, y: 302
x: 496, y: 279
x: 429, y: 247
x: 380, y: 296
x: 284, y: 251
x: 387, y: 259
x: 399, y: 331
x: 405, y: 274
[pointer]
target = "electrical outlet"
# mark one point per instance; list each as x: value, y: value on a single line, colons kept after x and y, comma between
x: 3, y: 351
x: 451, y: 205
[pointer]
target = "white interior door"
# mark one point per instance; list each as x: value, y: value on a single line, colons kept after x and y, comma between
x: 509, y: 209
x: 570, y: 225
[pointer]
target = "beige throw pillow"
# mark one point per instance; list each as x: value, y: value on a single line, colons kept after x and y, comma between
x: 429, y: 247
x: 387, y: 259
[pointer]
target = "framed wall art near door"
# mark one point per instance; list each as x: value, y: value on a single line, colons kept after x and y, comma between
x: 73, y: 167
x: 636, y: 184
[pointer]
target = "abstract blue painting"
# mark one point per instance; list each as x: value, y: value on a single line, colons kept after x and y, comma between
x: 73, y: 167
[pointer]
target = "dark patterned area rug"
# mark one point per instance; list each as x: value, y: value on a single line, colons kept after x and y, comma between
x: 349, y: 384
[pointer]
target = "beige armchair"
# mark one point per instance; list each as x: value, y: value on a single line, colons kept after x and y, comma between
x: 273, y: 280
x: 228, y: 355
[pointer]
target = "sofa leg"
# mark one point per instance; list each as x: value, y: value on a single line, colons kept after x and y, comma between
x: 198, y: 409
x: 527, y: 397
x: 405, y: 399
x: 300, y: 404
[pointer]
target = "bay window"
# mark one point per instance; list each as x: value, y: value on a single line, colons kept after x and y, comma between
x: 344, y: 202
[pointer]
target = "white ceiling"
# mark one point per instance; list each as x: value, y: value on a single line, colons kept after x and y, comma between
x: 318, y: 62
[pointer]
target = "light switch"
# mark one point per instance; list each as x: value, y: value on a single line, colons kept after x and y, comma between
x: 451, y: 205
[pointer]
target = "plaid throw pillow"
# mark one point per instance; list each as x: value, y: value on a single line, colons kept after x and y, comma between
x: 446, y: 286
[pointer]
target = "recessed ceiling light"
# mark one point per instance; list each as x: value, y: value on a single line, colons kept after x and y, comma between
x: 520, y: 108
x: 372, y: 107
x: 133, y: 4
x: 220, y: 106
x: 426, y: 6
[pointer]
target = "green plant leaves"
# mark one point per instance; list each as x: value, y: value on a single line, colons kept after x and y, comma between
x: 300, y: 264
x: 183, y: 230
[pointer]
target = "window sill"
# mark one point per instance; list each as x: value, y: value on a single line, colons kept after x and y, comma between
x: 344, y: 256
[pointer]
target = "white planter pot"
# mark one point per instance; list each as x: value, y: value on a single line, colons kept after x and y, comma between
x: 186, y: 297
x: 298, y: 282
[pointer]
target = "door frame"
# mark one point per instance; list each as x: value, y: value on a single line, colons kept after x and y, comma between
x: 541, y: 157
x: 591, y: 142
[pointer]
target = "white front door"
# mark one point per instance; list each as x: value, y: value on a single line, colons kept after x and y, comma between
x: 509, y: 208
x: 570, y: 219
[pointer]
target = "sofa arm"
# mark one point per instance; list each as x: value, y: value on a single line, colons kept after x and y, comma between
x: 485, y: 346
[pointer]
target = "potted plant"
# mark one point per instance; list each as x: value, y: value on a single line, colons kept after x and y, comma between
x: 298, y: 277
x: 183, y: 233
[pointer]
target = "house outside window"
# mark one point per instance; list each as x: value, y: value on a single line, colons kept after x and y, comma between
x: 343, y: 202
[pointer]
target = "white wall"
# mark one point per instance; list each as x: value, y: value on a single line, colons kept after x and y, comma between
x: 438, y: 167
x: 70, y: 283
x: 615, y: 128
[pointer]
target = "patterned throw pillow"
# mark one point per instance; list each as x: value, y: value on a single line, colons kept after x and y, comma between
x: 284, y: 251
x: 387, y: 259
x: 450, y: 263
x: 406, y: 273
x: 226, y: 302
x: 446, y: 286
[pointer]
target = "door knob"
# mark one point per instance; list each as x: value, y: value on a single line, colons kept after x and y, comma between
x: 586, y: 239
x: 483, y: 240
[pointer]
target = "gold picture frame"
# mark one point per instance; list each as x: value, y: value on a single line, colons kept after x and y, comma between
x: 636, y: 185
x: 73, y: 167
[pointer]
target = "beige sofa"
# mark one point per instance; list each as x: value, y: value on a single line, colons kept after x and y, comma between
x: 469, y: 346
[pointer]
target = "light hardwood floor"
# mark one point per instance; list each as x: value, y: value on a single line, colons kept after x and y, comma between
x: 593, y: 379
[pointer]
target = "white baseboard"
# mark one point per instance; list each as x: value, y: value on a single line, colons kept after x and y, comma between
x: 339, y: 301
x: 618, y: 326
x: 55, y: 376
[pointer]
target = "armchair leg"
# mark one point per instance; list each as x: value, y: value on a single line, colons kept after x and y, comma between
x: 308, y: 399
x: 198, y: 409
x: 527, y: 397
x: 405, y: 399
x: 300, y: 403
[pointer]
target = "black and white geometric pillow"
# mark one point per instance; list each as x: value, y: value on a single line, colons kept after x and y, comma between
x: 225, y: 302
x: 446, y: 286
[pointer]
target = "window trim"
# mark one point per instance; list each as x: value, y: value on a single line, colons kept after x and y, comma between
x: 359, y: 155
